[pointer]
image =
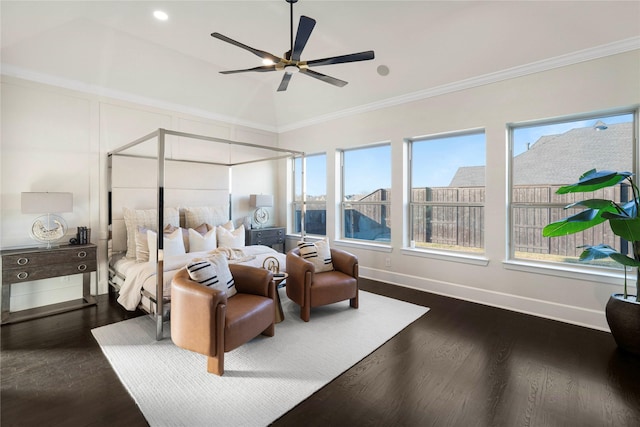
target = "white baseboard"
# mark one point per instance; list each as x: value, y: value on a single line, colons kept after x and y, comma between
x: 594, y: 319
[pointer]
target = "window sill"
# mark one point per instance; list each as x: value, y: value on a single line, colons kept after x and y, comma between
x: 363, y: 245
x: 447, y: 256
x: 590, y: 275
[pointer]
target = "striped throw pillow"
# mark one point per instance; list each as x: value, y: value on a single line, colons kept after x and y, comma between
x: 318, y: 253
x: 214, y: 273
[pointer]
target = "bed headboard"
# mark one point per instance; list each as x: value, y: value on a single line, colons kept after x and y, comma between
x: 134, y: 185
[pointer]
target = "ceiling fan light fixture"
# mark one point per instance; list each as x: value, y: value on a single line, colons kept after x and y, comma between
x: 292, y: 63
x: 267, y: 61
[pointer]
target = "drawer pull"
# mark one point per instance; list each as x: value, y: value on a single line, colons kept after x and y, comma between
x: 82, y: 254
x: 23, y: 261
x: 22, y: 275
x: 82, y: 267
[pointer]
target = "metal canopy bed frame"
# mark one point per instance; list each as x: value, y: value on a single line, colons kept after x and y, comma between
x: 237, y: 153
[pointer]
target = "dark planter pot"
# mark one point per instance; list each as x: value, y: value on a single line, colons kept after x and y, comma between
x: 623, y: 317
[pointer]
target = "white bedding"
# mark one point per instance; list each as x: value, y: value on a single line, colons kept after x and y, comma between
x: 143, y: 275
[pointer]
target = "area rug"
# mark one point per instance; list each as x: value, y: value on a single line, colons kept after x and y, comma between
x: 264, y: 378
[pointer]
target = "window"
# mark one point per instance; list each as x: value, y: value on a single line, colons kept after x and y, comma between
x: 548, y: 155
x: 447, y: 184
x: 366, y: 193
x: 316, y: 194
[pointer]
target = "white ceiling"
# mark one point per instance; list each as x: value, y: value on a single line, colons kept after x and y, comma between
x: 117, y: 48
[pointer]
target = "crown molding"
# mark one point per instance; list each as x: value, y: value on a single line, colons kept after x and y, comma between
x: 100, y: 91
x: 584, y: 55
x: 589, y: 54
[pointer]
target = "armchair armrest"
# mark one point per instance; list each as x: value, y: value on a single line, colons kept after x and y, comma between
x: 344, y: 262
x: 193, y: 313
x: 298, y: 268
x: 253, y: 280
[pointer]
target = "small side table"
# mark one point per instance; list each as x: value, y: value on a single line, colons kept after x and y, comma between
x: 278, y: 278
x: 27, y: 264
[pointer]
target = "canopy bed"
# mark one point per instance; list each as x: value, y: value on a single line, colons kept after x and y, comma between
x: 170, y: 201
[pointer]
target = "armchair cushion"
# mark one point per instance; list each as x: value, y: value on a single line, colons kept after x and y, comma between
x: 318, y: 253
x: 213, y: 272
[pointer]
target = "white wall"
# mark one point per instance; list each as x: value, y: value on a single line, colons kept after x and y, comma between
x: 607, y: 83
x: 55, y: 139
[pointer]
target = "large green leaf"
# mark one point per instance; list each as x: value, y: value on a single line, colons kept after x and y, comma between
x: 625, y: 223
x: 603, y: 251
x: 574, y: 224
x: 628, y: 229
x: 594, y: 204
x: 593, y: 180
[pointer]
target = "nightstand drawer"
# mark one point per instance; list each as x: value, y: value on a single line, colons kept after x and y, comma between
x: 261, y: 237
x: 30, y: 272
x: 48, y: 257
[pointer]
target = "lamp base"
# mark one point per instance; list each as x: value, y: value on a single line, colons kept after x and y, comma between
x: 48, y: 229
x: 260, y: 216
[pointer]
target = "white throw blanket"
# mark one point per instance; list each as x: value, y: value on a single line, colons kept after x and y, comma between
x: 233, y: 255
x: 145, y: 272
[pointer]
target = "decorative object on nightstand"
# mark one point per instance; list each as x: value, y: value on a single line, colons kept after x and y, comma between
x: 268, y: 236
x: 261, y: 201
x: 47, y: 228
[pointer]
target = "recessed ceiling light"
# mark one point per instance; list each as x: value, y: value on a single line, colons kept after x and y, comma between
x: 160, y: 15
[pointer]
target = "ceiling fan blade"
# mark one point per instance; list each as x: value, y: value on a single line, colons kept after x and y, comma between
x: 305, y: 27
x: 285, y: 82
x: 352, y: 57
x: 259, y: 69
x: 261, y: 53
x: 323, y: 77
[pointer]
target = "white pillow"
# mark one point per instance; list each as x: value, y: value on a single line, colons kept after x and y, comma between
x: 228, y: 225
x: 173, y: 244
x: 142, y: 242
x: 213, y: 272
x: 230, y: 239
x: 199, y: 242
x: 148, y: 218
x: 142, y: 245
x: 318, y: 253
x: 213, y: 215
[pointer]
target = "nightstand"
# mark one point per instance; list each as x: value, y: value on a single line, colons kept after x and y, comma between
x: 268, y: 236
x: 25, y: 265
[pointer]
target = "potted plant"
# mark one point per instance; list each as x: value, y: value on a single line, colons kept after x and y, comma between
x: 622, y: 310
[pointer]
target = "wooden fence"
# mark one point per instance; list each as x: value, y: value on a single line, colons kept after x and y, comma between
x: 456, y: 217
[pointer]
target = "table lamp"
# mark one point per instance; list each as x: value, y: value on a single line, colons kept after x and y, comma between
x: 261, y: 201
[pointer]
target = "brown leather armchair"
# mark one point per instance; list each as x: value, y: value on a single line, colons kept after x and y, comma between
x: 309, y: 289
x: 204, y: 320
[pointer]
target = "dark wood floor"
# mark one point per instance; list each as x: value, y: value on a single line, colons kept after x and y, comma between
x: 462, y: 364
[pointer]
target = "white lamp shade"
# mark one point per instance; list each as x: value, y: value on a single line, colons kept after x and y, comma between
x: 261, y: 200
x: 41, y: 203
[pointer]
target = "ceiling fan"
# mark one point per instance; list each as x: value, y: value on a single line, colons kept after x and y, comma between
x: 291, y: 62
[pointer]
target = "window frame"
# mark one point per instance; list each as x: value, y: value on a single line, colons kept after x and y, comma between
x: 344, y: 204
x: 304, y: 203
x: 472, y: 255
x: 576, y: 270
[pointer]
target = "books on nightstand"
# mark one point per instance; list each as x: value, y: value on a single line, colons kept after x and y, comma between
x: 83, y: 236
